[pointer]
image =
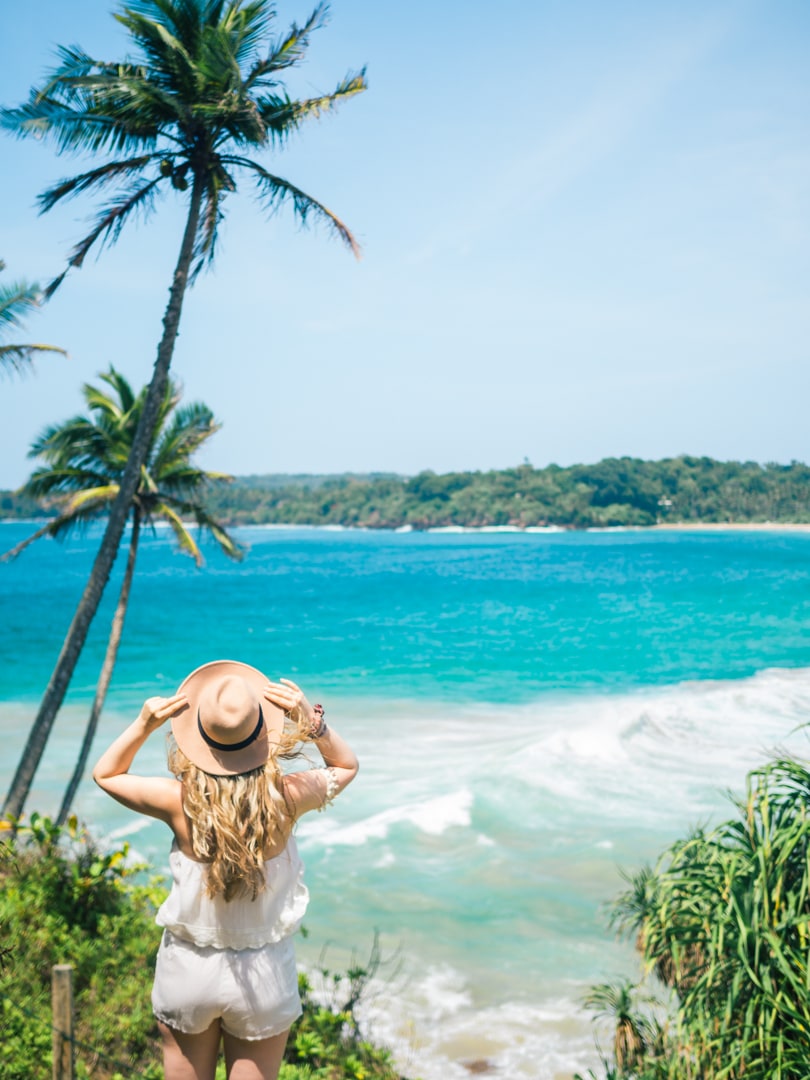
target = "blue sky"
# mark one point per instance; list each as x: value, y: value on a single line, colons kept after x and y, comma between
x: 585, y: 230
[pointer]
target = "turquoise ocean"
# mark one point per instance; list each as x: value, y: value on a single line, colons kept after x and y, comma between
x: 533, y: 711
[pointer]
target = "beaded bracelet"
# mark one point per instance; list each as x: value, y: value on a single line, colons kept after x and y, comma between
x: 331, y: 788
x: 319, y: 731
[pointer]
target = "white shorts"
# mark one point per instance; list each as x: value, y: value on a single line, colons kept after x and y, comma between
x: 253, y: 992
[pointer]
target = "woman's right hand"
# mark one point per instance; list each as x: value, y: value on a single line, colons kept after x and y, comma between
x: 286, y: 695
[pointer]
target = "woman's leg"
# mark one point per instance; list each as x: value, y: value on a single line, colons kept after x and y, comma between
x: 190, y: 1057
x: 253, y: 1059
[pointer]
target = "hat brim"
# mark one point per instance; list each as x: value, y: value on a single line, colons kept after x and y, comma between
x: 187, y: 734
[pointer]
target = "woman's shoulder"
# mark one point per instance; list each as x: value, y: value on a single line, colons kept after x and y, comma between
x: 308, y: 789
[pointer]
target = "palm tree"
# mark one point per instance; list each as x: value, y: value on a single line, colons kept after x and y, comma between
x: 17, y: 301
x: 84, y: 460
x: 205, y: 90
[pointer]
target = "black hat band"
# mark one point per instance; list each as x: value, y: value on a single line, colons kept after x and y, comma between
x: 230, y: 746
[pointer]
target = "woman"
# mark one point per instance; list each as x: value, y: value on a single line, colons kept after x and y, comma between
x: 226, y: 967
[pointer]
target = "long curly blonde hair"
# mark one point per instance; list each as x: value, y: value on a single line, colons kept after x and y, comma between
x: 236, y: 819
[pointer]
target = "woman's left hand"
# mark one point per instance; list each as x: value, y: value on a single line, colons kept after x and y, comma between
x: 157, y: 710
x: 287, y: 696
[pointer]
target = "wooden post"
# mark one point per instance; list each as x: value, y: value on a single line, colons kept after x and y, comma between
x: 62, y: 1003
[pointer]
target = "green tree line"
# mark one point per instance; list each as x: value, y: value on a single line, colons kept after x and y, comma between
x: 612, y: 492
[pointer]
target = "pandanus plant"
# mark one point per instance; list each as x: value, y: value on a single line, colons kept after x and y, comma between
x: 723, y: 920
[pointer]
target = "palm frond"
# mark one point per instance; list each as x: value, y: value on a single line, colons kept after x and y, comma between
x: 190, y: 427
x: 75, y: 64
x: 98, y: 498
x: 57, y: 528
x: 62, y: 481
x: 246, y: 25
x: 18, y: 300
x: 77, y: 441
x: 86, y: 129
x: 163, y: 51
x: 54, y: 436
x: 116, y: 407
x: 74, y: 511
x: 184, y: 538
x: 218, y: 66
x: 20, y: 357
x: 205, y: 521
x: 108, y: 226
x: 283, y: 115
x: 213, y: 477
x: 86, y: 444
x: 288, y: 51
x: 186, y: 19
x: 88, y: 104
x: 226, y: 542
x: 12, y: 553
x: 205, y: 245
x: 275, y: 190
x: 105, y: 174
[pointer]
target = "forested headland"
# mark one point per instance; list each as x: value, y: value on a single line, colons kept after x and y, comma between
x: 613, y: 492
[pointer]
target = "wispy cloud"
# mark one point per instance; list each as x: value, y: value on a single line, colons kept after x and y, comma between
x: 586, y: 136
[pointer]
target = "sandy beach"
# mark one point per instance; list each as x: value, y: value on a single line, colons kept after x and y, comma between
x: 706, y: 526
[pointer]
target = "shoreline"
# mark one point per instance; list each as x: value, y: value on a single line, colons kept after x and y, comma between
x: 679, y: 526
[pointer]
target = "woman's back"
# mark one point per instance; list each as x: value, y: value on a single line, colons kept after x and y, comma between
x: 243, y: 922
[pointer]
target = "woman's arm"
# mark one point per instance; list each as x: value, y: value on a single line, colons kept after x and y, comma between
x: 157, y: 796
x: 310, y: 790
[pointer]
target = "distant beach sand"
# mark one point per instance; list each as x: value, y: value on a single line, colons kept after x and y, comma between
x: 716, y: 526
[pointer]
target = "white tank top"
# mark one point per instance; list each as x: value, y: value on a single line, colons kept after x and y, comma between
x: 241, y: 923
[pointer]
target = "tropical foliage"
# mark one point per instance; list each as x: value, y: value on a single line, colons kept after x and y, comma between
x: 722, y: 923
x: 63, y: 900
x: 17, y: 301
x: 204, y: 89
x: 84, y: 459
x: 624, y: 491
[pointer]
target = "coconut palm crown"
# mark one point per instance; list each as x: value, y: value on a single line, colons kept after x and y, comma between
x: 85, y: 458
x: 205, y: 89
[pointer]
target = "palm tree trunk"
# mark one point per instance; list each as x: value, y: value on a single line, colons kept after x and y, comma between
x: 107, y: 552
x: 107, y: 668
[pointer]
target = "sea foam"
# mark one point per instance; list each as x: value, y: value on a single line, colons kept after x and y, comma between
x: 438, y: 1030
x: 658, y: 753
x: 432, y: 816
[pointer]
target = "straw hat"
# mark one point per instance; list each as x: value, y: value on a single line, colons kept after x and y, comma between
x: 229, y: 726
